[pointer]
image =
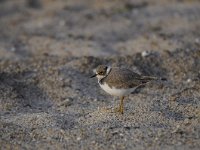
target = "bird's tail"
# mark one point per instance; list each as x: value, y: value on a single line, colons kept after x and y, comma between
x: 150, y: 78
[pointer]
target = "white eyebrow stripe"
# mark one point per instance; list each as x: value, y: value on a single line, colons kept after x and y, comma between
x: 108, y: 70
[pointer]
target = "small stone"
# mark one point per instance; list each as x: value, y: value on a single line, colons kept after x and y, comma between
x: 187, y: 121
x: 145, y: 53
x: 78, y: 138
x: 189, y: 80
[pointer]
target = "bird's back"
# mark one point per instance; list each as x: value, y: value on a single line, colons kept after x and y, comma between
x: 124, y: 78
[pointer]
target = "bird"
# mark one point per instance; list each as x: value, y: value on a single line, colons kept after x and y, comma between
x: 120, y: 82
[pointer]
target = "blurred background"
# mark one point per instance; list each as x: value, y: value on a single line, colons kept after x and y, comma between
x: 96, y: 27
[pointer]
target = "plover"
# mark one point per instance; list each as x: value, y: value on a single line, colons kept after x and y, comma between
x: 120, y: 82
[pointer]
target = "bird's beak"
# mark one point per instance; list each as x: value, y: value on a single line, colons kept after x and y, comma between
x: 93, y: 76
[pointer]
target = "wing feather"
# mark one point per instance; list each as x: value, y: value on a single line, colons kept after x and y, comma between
x: 125, y: 78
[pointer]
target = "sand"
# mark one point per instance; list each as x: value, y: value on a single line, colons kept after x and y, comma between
x: 48, y: 50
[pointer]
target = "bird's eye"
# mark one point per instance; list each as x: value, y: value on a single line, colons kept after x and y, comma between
x: 101, y: 73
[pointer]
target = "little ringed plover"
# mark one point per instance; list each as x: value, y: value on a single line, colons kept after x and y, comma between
x: 120, y: 81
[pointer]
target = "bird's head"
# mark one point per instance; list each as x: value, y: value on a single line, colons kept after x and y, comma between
x: 101, y: 71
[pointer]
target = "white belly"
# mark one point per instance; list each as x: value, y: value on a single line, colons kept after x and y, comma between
x: 116, y: 92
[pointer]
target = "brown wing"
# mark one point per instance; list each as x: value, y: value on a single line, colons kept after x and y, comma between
x: 124, y: 78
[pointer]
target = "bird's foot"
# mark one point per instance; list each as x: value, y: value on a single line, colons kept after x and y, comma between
x: 119, y: 110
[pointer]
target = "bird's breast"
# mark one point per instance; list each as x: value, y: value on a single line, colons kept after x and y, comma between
x: 114, y: 91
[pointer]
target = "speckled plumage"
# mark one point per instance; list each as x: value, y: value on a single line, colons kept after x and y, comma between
x: 119, y: 81
x: 122, y: 78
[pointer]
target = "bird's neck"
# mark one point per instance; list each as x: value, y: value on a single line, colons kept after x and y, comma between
x: 100, y: 81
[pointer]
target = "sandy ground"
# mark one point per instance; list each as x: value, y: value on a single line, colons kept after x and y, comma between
x: 48, y: 50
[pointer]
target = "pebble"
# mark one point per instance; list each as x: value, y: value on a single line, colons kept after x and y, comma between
x: 78, y: 138
x: 189, y: 80
x: 145, y: 53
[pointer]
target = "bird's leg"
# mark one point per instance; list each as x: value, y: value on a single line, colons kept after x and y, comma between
x: 120, y: 109
x: 121, y: 106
